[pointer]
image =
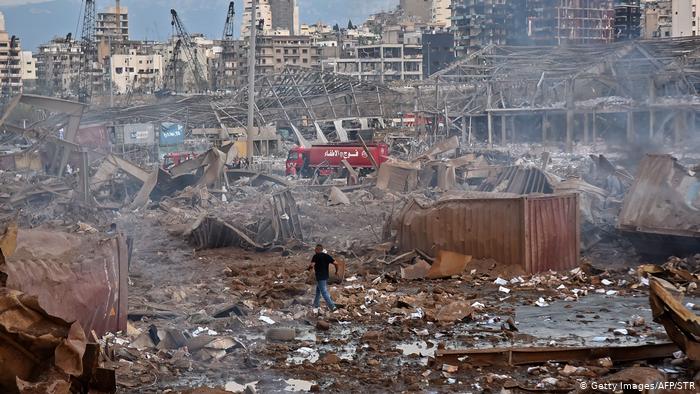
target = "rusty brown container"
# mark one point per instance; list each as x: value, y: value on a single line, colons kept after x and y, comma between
x: 537, y: 233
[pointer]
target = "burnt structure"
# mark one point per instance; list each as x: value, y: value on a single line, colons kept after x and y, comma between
x: 628, y: 16
x: 556, y: 22
x: 477, y: 24
x: 438, y: 52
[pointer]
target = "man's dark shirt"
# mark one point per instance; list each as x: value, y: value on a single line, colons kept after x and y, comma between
x: 321, y: 262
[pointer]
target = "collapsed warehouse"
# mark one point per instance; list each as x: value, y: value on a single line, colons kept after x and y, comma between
x: 534, y: 225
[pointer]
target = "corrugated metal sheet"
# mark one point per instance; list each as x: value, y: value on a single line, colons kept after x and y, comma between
x: 538, y: 233
x: 76, y: 278
x: 664, y: 199
x: 518, y: 180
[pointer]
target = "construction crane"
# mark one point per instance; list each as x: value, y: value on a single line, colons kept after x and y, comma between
x: 227, y: 46
x: 190, y: 51
x: 172, y: 67
x: 228, y: 27
x: 89, y: 53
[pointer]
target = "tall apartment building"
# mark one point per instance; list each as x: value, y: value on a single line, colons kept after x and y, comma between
x: 657, y: 19
x: 58, y: 64
x: 478, y: 23
x: 113, y: 25
x: 136, y: 72
x: 263, y: 13
x: 435, y: 12
x: 285, y: 16
x: 684, y: 19
x: 275, y: 52
x: 628, y: 15
x: 554, y: 22
x: 28, y: 69
x: 441, y: 13
x: 381, y: 63
x: 10, y: 61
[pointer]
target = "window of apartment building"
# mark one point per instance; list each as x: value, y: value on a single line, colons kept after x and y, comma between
x: 304, y: 51
x: 286, y: 51
x: 305, y: 60
x: 119, y: 70
x: 278, y: 50
x: 279, y: 60
x: 294, y: 51
x: 294, y: 60
x: 131, y: 69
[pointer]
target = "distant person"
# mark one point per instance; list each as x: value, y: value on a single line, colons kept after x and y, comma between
x: 320, y: 263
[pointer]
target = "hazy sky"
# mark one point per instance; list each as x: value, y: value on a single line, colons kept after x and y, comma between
x: 37, y: 21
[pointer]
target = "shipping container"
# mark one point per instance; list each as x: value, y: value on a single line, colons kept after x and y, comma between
x: 537, y: 233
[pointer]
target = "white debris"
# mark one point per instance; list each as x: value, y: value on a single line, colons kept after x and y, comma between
x: 611, y: 292
x: 266, y: 319
x: 606, y: 282
x: 478, y: 306
x: 500, y: 282
x: 620, y: 331
x: 504, y: 290
x: 541, y: 303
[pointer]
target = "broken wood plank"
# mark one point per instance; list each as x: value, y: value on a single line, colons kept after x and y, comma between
x: 539, y: 355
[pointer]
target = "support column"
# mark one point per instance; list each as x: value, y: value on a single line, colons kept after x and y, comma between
x: 631, y: 135
x: 652, y: 113
x: 489, y: 101
x: 680, y: 125
x: 504, y: 130
x: 464, y: 129
x: 569, y: 130
x: 570, y: 115
x: 544, y: 128
x: 586, y: 132
x: 470, y: 131
x: 594, y: 125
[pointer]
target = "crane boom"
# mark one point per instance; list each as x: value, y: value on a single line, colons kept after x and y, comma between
x: 191, y: 52
x: 228, y: 27
x: 89, y: 53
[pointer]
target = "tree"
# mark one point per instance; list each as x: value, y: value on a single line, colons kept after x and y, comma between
x: 350, y: 25
x: 336, y: 27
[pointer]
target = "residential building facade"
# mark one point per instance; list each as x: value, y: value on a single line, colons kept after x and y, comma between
x: 441, y: 13
x: 263, y: 13
x: 478, y: 23
x: 684, y: 18
x: 628, y: 16
x: 381, y: 63
x: 10, y: 62
x: 657, y: 19
x: 113, y: 26
x: 285, y: 16
x: 136, y: 73
x: 275, y: 52
x: 28, y: 69
x: 555, y: 22
x: 58, y: 65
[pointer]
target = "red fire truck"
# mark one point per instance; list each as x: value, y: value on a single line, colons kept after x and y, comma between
x: 327, y: 158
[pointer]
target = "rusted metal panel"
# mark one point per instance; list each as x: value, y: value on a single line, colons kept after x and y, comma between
x: 664, y: 199
x: 546, y: 246
x: 76, y: 278
x: 538, y: 233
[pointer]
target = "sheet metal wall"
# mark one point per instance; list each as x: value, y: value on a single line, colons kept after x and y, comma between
x: 537, y: 233
x: 75, y: 278
x: 660, y: 199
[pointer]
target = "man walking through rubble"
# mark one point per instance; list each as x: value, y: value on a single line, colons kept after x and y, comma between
x: 320, y: 263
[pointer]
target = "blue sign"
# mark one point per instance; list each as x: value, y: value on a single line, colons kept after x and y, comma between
x: 171, y: 134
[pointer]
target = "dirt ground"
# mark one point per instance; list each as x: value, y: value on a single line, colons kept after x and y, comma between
x: 383, y: 338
